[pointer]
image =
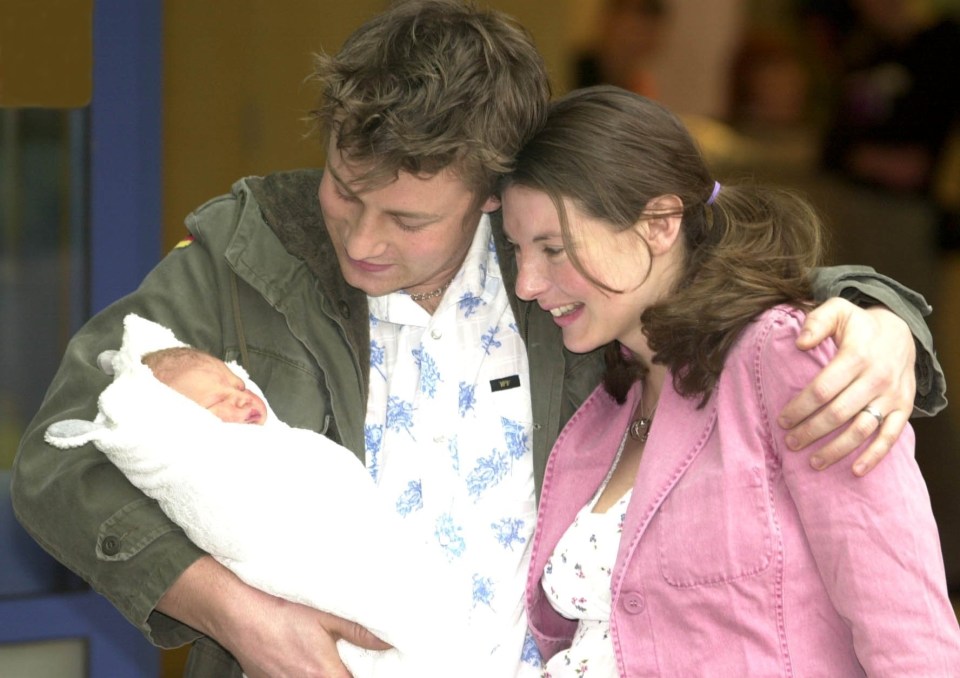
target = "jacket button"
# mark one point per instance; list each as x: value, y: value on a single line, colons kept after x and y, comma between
x: 110, y: 545
x: 632, y: 603
x: 344, y: 309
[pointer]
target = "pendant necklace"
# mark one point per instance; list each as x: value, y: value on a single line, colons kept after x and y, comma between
x: 640, y: 427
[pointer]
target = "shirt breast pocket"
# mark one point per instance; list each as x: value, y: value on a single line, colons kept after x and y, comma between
x: 716, y: 526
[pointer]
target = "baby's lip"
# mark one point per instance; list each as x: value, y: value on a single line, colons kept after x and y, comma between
x: 253, y: 417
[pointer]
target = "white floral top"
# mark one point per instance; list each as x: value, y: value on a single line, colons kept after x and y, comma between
x: 576, y: 581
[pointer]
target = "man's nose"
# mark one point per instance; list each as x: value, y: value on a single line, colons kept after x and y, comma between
x: 364, y: 238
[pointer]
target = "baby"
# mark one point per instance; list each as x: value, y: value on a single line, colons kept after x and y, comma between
x: 286, y: 509
x: 207, y: 381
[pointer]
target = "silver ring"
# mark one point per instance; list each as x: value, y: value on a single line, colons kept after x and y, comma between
x: 875, y: 413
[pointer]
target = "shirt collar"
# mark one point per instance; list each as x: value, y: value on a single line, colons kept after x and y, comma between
x: 469, y: 282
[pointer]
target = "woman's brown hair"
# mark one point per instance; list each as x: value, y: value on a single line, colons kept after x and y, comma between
x: 611, y: 152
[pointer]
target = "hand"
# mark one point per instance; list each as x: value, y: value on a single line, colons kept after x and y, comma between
x: 874, y: 366
x: 288, y: 639
x: 268, y: 636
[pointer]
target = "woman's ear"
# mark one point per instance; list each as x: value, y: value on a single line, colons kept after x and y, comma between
x: 492, y: 204
x: 661, y: 225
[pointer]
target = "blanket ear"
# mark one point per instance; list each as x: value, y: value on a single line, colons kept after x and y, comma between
x: 73, y: 433
x: 105, y: 362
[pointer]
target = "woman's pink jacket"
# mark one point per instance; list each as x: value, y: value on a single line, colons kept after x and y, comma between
x: 739, y: 559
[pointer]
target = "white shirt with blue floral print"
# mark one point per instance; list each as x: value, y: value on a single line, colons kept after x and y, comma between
x: 448, y: 440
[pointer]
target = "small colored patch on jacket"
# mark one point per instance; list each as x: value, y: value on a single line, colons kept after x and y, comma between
x: 183, y: 243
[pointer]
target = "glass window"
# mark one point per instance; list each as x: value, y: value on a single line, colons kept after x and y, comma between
x: 43, y: 254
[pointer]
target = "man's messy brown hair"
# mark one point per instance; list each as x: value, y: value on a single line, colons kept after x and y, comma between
x: 430, y: 85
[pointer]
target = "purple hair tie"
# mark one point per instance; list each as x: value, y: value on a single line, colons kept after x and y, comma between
x: 716, y: 191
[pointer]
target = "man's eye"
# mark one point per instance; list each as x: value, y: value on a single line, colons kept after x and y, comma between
x: 343, y: 195
x: 407, y: 226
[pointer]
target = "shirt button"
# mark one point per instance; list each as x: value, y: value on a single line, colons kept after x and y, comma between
x: 632, y: 603
x: 110, y: 545
x: 436, y: 334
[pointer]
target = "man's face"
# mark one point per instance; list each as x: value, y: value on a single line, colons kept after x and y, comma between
x: 411, y: 234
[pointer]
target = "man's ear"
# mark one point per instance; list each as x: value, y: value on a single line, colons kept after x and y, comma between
x: 492, y: 204
x: 661, y: 225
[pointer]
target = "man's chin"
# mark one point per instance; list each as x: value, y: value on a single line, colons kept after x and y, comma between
x: 373, y: 288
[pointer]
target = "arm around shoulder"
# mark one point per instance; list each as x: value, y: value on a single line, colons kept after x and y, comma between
x: 874, y: 539
x: 865, y: 287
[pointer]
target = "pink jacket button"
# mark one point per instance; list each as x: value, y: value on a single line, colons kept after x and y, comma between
x: 632, y: 603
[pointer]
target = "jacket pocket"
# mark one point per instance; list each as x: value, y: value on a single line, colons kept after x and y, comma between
x: 128, y: 531
x: 715, y: 526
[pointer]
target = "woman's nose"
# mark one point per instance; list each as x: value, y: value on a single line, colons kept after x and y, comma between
x: 530, y: 282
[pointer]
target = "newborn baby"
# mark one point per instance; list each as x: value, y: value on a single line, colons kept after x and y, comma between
x: 286, y: 509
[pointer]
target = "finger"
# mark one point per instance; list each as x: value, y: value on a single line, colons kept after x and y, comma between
x: 845, y: 369
x: 862, y: 426
x: 831, y: 400
x: 355, y: 634
x: 822, y: 322
x: 889, y: 432
x: 825, y: 387
x: 361, y: 636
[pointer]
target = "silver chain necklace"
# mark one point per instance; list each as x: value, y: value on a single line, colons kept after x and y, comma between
x: 423, y: 296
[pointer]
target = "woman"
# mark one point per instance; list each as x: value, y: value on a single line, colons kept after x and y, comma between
x: 676, y: 535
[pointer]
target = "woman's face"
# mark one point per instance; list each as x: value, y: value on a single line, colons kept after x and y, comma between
x: 589, y: 316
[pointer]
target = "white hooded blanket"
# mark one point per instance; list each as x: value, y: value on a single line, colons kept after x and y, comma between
x: 289, y: 511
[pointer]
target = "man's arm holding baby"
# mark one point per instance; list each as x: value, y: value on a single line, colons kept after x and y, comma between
x: 269, y: 636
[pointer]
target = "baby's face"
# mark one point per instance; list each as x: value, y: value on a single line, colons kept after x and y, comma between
x: 213, y: 386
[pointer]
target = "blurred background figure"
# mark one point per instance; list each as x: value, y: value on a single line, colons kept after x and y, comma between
x: 769, y: 83
x: 630, y: 35
x: 676, y: 51
x: 898, y: 99
x: 889, y: 180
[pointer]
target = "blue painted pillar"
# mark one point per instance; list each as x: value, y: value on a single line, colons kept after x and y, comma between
x: 125, y: 146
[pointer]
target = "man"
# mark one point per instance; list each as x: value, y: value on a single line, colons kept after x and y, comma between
x: 382, y: 315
